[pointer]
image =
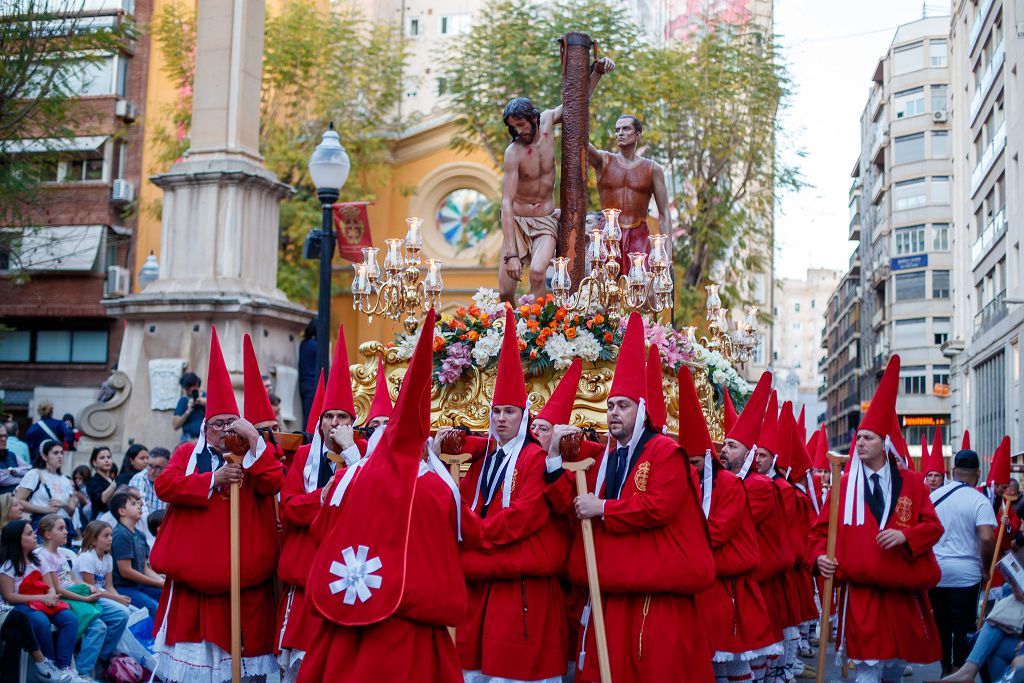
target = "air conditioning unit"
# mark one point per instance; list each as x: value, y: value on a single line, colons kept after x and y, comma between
x: 125, y: 110
x: 122, y: 192
x: 118, y: 282
x: 940, y: 116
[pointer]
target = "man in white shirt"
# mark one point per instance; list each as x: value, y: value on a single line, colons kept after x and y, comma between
x: 964, y: 554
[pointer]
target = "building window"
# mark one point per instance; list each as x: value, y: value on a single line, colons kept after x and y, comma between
x: 940, y: 330
x: 53, y: 346
x: 796, y: 307
x: 910, y: 286
x: 940, y: 236
x: 909, y: 333
x: 453, y: 25
x: 442, y: 86
x: 909, y: 102
x: 940, y: 284
x: 940, y: 375
x: 414, y: 27
x: 940, y: 144
x: 938, y: 93
x: 990, y: 403
x: 463, y: 218
x: 910, y: 240
x: 908, y: 58
x: 914, y: 379
x: 937, y: 53
x: 909, y: 148
x: 104, y: 76
x: 909, y: 194
x: 940, y: 189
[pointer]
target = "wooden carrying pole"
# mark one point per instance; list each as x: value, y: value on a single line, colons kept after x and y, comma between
x: 596, y: 610
x: 234, y: 541
x: 836, y: 462
x: 995, y: 559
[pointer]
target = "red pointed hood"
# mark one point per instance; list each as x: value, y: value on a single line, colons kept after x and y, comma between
x: 220, y: 397
x: 558, y: 409
x: 728, y: 413
x: 881, y: 413
x: 801, y: 428
x: 768, y: 437
x: 934, y: 461
x: 375, y: 546
x: 510, y: 383
x: 821, y: 450
x: 900, y: 442
x: 693, y: 428
x: 338, y: 394
x: 965, y: 441
x: 748, y: 424
x: 812, y: 445
x: 656, y: 410
x: 999, y: 472
x: 630, y: 378
x: 381, y: 405
x: 801, y: 459
x: 318, y: 402
x: 257, y: 403
x: 785, y: 437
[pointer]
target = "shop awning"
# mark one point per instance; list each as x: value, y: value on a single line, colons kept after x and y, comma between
x: 89, y: 143
x: 63, y: 248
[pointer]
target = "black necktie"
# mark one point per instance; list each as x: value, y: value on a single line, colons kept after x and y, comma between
x: 325, y: 473
x: 490, y: 477
x: 618, y: 472
x: 876, y: 501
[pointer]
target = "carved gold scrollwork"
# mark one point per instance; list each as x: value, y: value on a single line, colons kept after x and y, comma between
x: 467, y: 402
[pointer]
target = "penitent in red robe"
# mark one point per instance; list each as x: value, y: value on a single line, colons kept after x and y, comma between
x: 733, y: 608
x: 193, y: 551
x: 791, y: 577
x: 773, y: 546
x: 516, y: 626
x: 414, y: 643
x: 653, y: 560
x: 887, y: 614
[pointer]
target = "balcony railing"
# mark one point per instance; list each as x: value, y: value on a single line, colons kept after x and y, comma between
x: 987, y: 78
x: 877, y: 187
x: 992, y: 313
x: 993, y: 231
x: 988, y: 158
x: 979, y: 22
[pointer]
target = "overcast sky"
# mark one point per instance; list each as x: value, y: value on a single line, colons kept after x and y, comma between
x: 832, y: 49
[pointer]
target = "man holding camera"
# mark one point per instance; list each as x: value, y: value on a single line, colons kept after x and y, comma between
x: 191, y: 409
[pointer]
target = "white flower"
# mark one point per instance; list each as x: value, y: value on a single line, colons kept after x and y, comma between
x: 521, y: 328
x: 487, y: 301
x: 586, y: 345
x: 718, y: 377
x: 486, y: 347
x: 407, y: 345
x: 560, y: 350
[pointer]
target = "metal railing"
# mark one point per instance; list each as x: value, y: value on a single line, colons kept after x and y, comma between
x: 987, y: 78
x: 988, y: 157
x: 992, y: 232
x: 992, y: 313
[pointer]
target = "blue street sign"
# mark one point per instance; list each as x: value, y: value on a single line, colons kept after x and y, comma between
x: 908, y: 262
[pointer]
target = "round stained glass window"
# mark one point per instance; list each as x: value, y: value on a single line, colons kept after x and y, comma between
x: 464, y: 218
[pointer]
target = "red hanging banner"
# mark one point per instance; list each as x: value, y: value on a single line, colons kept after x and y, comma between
x: 352, y: 223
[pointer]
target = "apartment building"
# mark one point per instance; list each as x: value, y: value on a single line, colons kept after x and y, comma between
x: 986, y: 50
x: 75, y: 242
x: 839, y: 363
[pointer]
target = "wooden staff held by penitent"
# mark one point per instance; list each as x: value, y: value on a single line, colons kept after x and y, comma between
x: 237, y: 448
x: 596, y: 610
x: 836, y: 463
x: 995, y: 559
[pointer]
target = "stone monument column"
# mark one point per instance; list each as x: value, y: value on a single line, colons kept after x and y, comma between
x: 218, y: 248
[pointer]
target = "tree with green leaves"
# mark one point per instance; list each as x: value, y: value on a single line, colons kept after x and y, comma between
x: 709, y: 106
x: 347, y: 71
x: 50, y: 51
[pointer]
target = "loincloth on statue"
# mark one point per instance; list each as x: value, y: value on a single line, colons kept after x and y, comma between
x: 528, y: 228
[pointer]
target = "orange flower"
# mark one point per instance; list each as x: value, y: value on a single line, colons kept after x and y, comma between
x: 533, y: 354
x: 474, y: 311
x: 541, y: 341
x: 532, y: 325
x: 485, y: 318
x: 535, y: 309
x: 473, y: 335
x: 438, y: 343
x: 460, y: 311
x: 590, y: 324
x: 598, y: 319
x: 607, y: 337
x: 522, y: 345
x: 524, y: 309
x: 560, y: 314
x: 570, y: 333
x: 462, y: 337
x: 553, y: 325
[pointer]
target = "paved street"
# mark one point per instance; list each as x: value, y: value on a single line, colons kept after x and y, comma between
x: 921, y: 673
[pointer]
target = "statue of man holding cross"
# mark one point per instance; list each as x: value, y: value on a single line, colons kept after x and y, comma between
x: 529, y: 220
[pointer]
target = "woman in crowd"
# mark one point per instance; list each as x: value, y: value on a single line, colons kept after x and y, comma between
x: 18, y: 561
x: 80, y: 478
x: 11, y: 509
x: 44, y: 489
x: 103, y: 482
x: 136, y: 459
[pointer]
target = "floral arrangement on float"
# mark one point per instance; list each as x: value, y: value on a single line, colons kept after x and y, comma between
x: 550, y: 337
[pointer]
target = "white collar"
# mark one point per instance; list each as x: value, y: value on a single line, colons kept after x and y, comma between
x: 634, y: 439
x: 511, y: 451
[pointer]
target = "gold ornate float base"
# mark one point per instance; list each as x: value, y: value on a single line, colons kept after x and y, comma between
x: 467, y: 402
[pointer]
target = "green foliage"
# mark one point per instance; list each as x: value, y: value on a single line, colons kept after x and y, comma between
x: 347, y: 70
x: 709, y: 107
x: 47, y: 49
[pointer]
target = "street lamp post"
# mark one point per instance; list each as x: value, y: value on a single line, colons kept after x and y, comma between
x: 328, y: 169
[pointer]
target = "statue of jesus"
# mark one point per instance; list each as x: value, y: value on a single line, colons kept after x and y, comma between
x: 529, y: 220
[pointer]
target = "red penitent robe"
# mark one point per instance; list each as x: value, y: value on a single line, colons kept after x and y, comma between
x: 193, y: 551
x: 790, y: 577
x: 767, y: 515
x: 887, y: 614
x: 516, y: 626
x: 808, y: 608
x: 733, y: 608
x: 653, y: 559
x: 413, y: 644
